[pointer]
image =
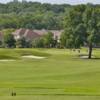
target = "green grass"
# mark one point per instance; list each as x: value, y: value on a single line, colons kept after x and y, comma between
x: 61, y: 76
x: 50, y: 98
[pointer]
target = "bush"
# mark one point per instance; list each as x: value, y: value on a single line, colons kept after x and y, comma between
x: 38, y: 43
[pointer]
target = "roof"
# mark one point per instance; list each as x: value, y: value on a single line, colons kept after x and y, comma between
x: 20, y: 32
x: 41, y: 32
x: 27, y: 33
x: 30, y: 34
x: 56, y: 33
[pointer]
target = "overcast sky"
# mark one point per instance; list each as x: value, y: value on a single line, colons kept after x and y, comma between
x: 61, y: 1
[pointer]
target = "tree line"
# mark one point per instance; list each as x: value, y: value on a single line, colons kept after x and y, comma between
x: 32, y: 15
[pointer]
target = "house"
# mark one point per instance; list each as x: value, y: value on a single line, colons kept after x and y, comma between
x: 56, y: 33
x: 26, y: 33
x: 29, y: 34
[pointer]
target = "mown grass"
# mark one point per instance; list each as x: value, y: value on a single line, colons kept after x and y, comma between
x: 63, y: 75
x: 40, y: 97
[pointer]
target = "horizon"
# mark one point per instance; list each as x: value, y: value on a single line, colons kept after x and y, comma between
x: 71, y: 2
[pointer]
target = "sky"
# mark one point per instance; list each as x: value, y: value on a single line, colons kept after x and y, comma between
x: 73, y: 2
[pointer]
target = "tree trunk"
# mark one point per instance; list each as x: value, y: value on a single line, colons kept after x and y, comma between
x: 90, y: 51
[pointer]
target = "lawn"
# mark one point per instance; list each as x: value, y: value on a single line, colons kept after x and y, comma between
x: 62, y: 75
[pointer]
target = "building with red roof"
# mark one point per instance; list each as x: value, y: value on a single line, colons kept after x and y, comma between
x: 29, y: 34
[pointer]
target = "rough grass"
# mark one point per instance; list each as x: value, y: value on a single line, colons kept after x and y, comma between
x: 17, y: 53
x: 63, y: 75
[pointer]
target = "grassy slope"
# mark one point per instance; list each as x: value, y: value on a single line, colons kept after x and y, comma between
x: 60, y: 74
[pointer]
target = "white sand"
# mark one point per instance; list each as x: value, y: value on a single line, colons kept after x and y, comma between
x: 85, y: 57
x: 33, y: 57
x: 6, y: 60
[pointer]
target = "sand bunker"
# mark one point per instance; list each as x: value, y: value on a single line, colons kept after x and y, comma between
x: 33, y: 57
x: 85, y: 57
x: 6, y: 60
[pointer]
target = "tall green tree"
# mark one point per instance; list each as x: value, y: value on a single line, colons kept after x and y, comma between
x: 91, y: 20
x: 21, y: 43
x: 48, y: 39
x: 9, y: 40
x: 74, y: 30
x: 82, y: 27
